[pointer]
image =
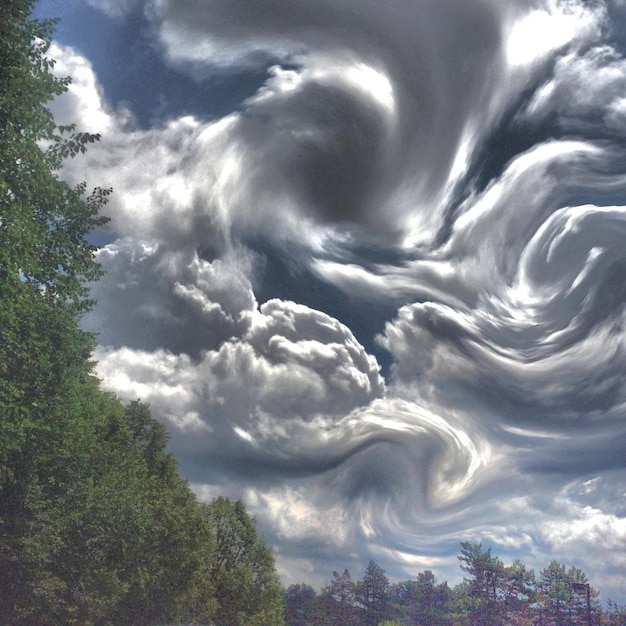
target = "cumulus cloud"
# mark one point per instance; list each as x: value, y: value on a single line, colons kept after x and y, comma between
x: 152, y: 297
x: 418, y: 154
x: 272, y: 390
x: 83, y: 103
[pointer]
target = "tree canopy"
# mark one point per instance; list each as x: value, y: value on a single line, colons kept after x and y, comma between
x: 46, y: 260
x: 97, y: 527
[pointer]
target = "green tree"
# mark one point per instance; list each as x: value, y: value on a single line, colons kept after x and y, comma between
x: 519, y: 593
x: 336, y: 603
x: 372, y: 595
x: 486, y: 586
x: 45, y: 258
x: 170, y: 582
x: 96, y: 525
x: 46, y: 386
x: 562, y: 596
x: 97, y: 537
x: 299, y: 605
x: 150, y: 437
x: 553, y: 595
x: 614, y: 615
x: 423, y: 601
x: 241, y: 569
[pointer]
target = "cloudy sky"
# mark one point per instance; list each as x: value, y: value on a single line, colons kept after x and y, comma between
x: 367, y: 263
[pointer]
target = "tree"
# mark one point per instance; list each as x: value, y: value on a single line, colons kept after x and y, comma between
x: 150, y: 437
x: 423, y: 601
x: 336, y: 603
x: 372, y: 595
x: 95, y: 536
x: 519, y: 593
x: 562, y: 596
x: 486, y: 585
x: 47, y: 394
x: 46, y: 260
x: 299, y: 605
x: 615, y: 615
x: 554, y: 595
x: 96, y: 525
x: 241, y: 569
x: 169, y: 583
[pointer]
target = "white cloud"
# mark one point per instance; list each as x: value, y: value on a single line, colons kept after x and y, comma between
x: 152, y: 296
x: 583, y: 89
x: 536, y: 35
x: 290, y: 372
x: 416, y: 114
x: 567, y: 529
x: 544, y: 345
x: 83, y: 103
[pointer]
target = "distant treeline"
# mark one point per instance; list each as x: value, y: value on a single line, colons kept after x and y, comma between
x: 491, y: 594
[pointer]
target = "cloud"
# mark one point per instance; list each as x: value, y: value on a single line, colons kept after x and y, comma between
x: 322, y: 130
x: 415, y: 155
x: 268, y: 393
x: 83, y: 103
x: 551, y: 27
x: 395, y: 476
x: 115, y: 8
x: 587, y: 92
x: 153, y: 297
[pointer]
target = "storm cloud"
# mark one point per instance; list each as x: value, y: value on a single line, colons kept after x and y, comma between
x: 461, y: 163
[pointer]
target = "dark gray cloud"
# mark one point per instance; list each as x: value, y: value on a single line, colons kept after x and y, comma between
x: 437, y: 93
x: 170, y: 300
x: 365, y: 159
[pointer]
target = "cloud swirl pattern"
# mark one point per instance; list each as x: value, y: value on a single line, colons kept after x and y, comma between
x: 462, y: 161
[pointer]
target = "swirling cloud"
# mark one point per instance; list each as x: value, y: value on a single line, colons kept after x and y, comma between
x: 422, y: 156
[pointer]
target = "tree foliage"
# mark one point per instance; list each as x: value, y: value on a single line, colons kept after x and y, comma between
x: 486, y: 589
x: 562, y: 596
x: 337, y: 602
x: 300, y: 604
x: 96, y: 525
x: 491, y: 593
x: 372, y: 595
x: 46, y: 260
x: 615, y: 615
x: 422, y: 601
x: 241, y: 569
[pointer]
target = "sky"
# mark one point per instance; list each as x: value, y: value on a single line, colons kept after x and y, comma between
x: 366, y: 262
